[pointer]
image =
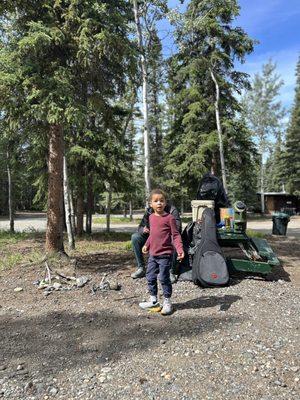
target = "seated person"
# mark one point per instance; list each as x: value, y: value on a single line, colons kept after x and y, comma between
x: 211, y: 188
x: 139, y: 238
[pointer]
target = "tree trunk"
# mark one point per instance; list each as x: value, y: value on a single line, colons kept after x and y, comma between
x: 80, y: 203
x: 125, y: 211
x: 262, y: 189
x: 89, y: 203
x: 108, y: 206
x: 130, y: 210
x: 68, y: 217
x: 219, y: 128
x: 213, y: 167
x: 10, y: 197
x: 54, y: 232
x: 80, y: 209
x: 182, y: 205
x: 73, y: 219
x: 145, y: 99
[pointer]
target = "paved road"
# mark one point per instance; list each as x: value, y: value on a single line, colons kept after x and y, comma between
x: 37, y: 221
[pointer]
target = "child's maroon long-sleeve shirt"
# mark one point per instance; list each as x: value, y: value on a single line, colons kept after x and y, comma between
x: 164, y: 235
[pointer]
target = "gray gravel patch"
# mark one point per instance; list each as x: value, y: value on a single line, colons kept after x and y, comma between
x: 237, y: 342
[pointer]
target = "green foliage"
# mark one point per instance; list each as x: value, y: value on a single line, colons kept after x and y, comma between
x: 67, y: 63
x: 275, y: 169
x: 242, y: 161
x: 207, y: 40
x: 262, y: 111
x: 290, y: 158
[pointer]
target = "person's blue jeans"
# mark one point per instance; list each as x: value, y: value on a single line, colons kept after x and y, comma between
x: 159, y: 267
x: 138, y: 240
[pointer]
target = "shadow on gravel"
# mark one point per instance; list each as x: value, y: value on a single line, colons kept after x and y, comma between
x: 54, y: 342
x: 104, y: 262
x: 224, y: 302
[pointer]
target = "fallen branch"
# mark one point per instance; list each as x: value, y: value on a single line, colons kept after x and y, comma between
x: 48, y: 272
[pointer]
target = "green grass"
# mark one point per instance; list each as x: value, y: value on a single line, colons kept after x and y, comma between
x: 255, y: 234
x: 114, y: 220
x: 7, y: 237
x: 19, y: 248
x: 102, y: 241
x: 186, y: 219
x: 24, y: 248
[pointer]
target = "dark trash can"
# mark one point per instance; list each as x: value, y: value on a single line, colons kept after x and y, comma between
x: 280, y: 223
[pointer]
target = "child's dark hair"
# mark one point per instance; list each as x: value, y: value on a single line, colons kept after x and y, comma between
x: 157, y: 191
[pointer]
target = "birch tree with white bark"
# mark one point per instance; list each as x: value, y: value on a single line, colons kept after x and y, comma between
x: 264, y: 113
x: 146, y: 14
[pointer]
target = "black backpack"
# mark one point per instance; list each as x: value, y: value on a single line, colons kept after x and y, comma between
x: 211, y: 188
x: 209, y: 267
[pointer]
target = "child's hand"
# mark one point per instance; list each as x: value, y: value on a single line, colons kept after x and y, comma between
x: 146, y: 230
x: 145, y: 249
x: 180, y: 256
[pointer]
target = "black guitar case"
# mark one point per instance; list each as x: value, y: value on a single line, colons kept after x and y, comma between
x: 209, y: 266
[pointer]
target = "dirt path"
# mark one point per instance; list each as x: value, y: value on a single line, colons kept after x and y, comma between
x: 38, y: 222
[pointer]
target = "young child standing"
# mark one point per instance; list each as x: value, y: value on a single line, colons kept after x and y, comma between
x: 164, y: 236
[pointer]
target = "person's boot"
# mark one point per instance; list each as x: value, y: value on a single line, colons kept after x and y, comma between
x: 173, y: 277
x: 152, y: 302
x: 139, y: 273
x: 167, y: 307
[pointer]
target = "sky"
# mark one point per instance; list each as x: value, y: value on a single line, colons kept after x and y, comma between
x: 276, y: 25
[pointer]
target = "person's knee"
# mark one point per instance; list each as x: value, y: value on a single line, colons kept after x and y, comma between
x: 164, y: 278
x: 135, y: 237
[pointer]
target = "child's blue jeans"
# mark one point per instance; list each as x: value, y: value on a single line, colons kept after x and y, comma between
x: 159, y: 267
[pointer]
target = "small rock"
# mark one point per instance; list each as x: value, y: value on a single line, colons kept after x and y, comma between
x: 81, y: 281
x: 105, y: 370
x: 295, y: 369
x: 39, y: 387
x: 28, y: 386
x: 53, y: 391
x: 18, y: 289
x: 102, y: 379
x: 20, y: 367
x: 3, y: 367
x: 57, y: 285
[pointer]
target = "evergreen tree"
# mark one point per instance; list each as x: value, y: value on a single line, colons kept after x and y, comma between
x: 264, y: 114
x: 60, y: 57
x: 146, y: 14
x: 207, y: 41
x: 156, y: 110
x: 291, y: 155
x: 274, y: 168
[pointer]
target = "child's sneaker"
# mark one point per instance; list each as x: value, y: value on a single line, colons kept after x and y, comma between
x: 146, y: 305
x: 167, y: 307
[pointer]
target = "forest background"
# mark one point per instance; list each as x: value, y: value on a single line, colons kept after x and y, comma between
x: 108, y: 99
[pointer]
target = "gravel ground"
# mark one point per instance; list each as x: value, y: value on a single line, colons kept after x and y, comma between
x: 237, y: 342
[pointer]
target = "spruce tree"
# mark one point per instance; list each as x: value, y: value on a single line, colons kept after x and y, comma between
x: 208, y: 41
x: 59, y: 58
x: 291, y: 155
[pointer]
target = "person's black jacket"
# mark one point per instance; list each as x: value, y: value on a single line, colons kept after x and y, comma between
x: 169, y: 209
